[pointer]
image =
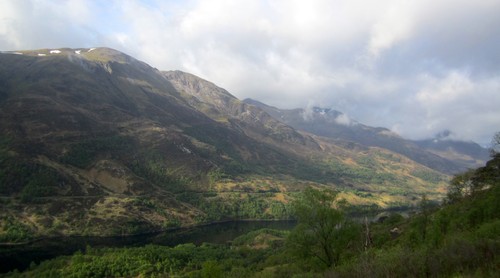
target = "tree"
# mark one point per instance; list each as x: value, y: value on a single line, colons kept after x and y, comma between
x: 210, y: 269
x: 461, y: 185
x: 495, y: 145
x: 322, y: 232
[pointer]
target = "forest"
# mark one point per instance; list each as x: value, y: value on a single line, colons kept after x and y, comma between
x: 458, y: 238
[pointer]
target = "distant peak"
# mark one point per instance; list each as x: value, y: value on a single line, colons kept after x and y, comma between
x: 327, y: 112
x: 322, y: 111
x: 446, y: 135
x: 443, y: 135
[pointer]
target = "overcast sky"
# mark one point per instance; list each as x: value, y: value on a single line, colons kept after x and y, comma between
x: 417, y: 67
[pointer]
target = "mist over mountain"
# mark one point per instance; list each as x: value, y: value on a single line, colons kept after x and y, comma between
x: 446, y: 155
x: 466, y: 154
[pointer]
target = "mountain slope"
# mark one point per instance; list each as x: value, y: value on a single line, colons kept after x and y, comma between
x: 440, y: 156
x: 465, y: 154
x: 96, y: 142
x: 354, y: 166
x: 221, y: 106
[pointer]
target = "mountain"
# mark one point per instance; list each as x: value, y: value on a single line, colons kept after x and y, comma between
x: 443, y: 155
x: 95, y: 142
x: 465, y: 154
x: 219, y: 105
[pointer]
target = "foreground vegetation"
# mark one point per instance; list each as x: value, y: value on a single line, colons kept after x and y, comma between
x: 459, y: 238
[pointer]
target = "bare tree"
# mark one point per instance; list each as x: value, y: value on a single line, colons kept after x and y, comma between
x: 495, y: 145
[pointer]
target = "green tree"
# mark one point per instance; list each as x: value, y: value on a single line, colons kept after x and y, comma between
x: 460, y: 186
x: 322, y: 232
x: 210, y: 269
x: 422, y: 221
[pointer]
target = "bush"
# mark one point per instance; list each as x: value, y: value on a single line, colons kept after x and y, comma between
x: 14, y: 231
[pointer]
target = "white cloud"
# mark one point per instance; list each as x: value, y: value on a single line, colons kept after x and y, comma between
x: 46, y: 24
x: 394, y: 24
x: 343, y: 119
x: 461, y: 103
x: 439, y: 91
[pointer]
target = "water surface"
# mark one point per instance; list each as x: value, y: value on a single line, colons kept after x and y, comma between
x: 20, y: 257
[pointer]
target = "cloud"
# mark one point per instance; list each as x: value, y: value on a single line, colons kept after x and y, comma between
x: 343, y: 119
x: 42, y: 24
x: 418, y: 67
x: 459, y: 102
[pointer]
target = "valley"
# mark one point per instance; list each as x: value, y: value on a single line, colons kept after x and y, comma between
x: 112, y: 159
x: 249, y: 139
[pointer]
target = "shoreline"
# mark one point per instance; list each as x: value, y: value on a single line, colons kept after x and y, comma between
x: 185, y: 227
x: 403, y: 212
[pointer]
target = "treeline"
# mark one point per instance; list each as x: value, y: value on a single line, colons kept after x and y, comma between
x: 217, y: 206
